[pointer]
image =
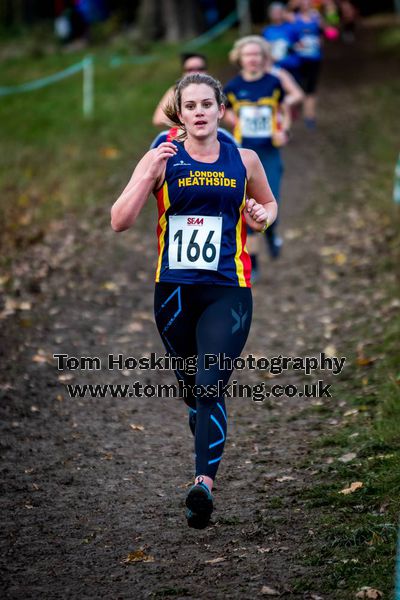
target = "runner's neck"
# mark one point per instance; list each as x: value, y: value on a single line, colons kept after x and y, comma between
x: 250, y: 76
x: 207, y: 150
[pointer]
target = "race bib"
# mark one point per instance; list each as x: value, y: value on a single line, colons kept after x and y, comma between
x: 309, y: 45
x: 256, y: 121
x: 279, y: 49
x: 194, y: 242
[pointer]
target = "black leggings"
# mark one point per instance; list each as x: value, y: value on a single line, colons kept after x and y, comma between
x: 194, y: 320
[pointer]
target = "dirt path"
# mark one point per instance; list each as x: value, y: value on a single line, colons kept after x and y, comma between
x: 83, y: 488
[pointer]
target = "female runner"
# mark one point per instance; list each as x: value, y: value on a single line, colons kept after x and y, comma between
x: 206, y: 192
x: 255, y: 100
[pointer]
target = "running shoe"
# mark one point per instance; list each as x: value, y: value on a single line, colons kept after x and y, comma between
x: 199, y: 502
x: 310, y: 123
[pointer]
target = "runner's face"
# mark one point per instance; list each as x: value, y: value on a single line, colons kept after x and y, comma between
x: 194, y: 64
x: 305, y: 5
x: 276, y: 15
x: 199, y: 110
x: 251, y: 58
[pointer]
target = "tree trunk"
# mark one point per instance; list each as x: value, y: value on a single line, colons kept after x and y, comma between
x: 189, y: 14
x: 243, y: 9
x: 169, y: 11
x: 147, y: 22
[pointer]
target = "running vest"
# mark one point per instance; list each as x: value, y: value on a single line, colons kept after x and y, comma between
x: 256, y: 103
x: 282, y: 38
x: 309, y: 33
x: 201, y: 226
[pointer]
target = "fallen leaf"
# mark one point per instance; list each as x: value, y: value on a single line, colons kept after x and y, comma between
x: 286, y: 478
x: 134, y: 327
x: 330, y: 275
x: 339, y: 259
x: 186, y: 485
x: 330, y: 350
x: 214, y: 561
x: 65, y: 377
x: 356, y: 485
x: 138, y: 556
x: 136, y: 427
x: 370, y: 593
x: 268, y: 591
x: 347, y: 457
x: 110, y: 286
x: 40, y: 358
x: 4, y: 279
x: 109, y: 152
x: 327, y: 250
x: 351, y: 412
x: 364, y: 361
x: 107, y: 456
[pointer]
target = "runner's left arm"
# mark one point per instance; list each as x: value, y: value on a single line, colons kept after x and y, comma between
x: 260, y: 204
x: 293, y: 92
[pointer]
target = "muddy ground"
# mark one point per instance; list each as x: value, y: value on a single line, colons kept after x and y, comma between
x: 82, y: 488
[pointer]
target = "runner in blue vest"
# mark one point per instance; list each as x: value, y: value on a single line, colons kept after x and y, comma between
x: 282, y: 37
x: 308, y: 24
x: 207, y: 191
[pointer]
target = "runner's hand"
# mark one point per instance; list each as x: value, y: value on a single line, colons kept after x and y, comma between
x: 159, y: 159
x: 280, y: 138
x: 255, y: 214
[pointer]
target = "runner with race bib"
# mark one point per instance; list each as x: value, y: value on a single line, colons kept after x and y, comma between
x: 255, y: 101
x: 308, y: 24
x: 207, y: 192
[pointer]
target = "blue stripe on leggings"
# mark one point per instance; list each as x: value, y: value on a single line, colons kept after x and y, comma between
x: 222, y: 410
x: 221, y: 430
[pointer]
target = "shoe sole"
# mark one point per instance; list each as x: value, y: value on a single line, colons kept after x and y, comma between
x: 201, y: 506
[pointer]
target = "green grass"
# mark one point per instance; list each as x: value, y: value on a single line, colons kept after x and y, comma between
x: 390, y: 39
x: 354, y: 539
x: 53, y: 160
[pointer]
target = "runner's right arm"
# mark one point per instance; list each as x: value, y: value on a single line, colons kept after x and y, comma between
x: 147, y: 177
x: 230, y: 118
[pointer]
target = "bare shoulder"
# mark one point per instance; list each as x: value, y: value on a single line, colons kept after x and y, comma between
x: 148, y: 157
x: 249, y: 157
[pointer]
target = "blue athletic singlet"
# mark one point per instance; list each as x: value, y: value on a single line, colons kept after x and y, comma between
x: 282, y: 38
x: 309, y: 33
x: 201, y: 226
x: 256, y: 104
